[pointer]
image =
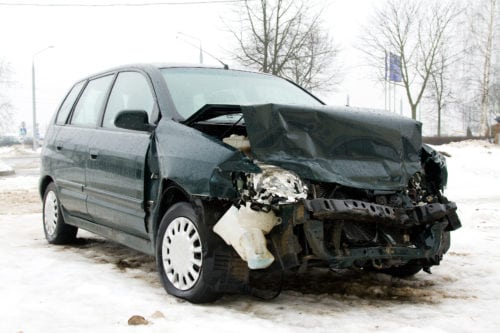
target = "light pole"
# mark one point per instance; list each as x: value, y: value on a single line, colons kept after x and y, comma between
x: 35, y: 142
x: 199, y: 41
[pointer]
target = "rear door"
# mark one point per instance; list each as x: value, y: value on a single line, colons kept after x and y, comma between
x: 71, y: 140
x: 117, y: 158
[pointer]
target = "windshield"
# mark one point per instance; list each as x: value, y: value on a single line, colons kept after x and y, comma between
x: 192, y: 88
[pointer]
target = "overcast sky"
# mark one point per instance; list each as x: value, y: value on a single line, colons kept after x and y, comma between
x: 90, y: 39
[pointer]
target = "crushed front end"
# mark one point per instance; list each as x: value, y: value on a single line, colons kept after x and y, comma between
x: 282, y: 220
x: 387, y: 213
x: 347, y: 228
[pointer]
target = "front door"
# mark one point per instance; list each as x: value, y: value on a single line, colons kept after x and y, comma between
x: 116, y: 169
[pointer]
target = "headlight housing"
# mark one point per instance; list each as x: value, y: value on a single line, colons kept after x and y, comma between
x: 274, y: 185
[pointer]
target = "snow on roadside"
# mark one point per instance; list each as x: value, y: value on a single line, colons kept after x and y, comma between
x: 6, y: 150
x: 5, y: 169
x: 8, y: 184
x: 17, y: 150
x: 96, y: 285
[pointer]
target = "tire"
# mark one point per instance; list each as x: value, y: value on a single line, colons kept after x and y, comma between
x: 55, y: 229
x: 185, y: 255
x: 403, y: 271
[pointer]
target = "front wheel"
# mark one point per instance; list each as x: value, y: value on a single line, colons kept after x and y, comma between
x: 55, y: 229
x: 184, y: 254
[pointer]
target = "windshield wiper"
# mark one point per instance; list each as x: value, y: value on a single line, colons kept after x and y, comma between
x: 231, y: 128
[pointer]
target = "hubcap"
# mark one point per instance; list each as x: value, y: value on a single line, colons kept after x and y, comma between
x: 182, y: 253
x: 50, y: 213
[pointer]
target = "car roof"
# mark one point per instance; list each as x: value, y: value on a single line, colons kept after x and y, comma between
x: 154, y: 67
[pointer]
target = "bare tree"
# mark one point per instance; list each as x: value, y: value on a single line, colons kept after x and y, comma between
x: 480, y: 72
x: 465, y: 83
x: 439, y: 91
x: 313, y: 65
x: 415, y: 31
x: 484, y: 31
x: 6, y: 113
x: 285, y: 38
x: 442, y: 90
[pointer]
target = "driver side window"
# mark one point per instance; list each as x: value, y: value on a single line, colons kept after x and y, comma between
x: 131, y: 91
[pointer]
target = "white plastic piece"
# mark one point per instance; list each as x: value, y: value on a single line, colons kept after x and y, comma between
x: 244, y: 229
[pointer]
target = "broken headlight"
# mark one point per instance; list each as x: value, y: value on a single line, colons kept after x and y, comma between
x: 274, y: 186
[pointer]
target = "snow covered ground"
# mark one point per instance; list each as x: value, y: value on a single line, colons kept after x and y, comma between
x: 96, y: 285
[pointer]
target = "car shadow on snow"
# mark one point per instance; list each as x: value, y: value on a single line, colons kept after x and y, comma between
x: 349, y: 283
x: 124, y: 259
x: 316, y: 281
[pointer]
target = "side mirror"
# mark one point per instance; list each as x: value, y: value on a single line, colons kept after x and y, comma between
x: 136, y: 120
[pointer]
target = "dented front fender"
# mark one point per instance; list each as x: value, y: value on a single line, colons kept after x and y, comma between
x: 200, y: 164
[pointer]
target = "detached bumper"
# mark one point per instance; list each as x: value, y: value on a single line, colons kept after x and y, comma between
x: 335, y: 209
x: 430, y: 223
x: 435, y: 244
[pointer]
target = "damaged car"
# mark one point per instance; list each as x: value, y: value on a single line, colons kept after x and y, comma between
x: 222, y: 173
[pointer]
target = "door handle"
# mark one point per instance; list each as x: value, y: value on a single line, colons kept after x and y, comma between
x: 94, y: 154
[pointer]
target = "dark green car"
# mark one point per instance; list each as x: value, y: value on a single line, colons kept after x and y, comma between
x: 221, y: 173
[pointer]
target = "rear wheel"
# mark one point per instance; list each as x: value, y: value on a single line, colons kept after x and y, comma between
x: 55, y: 229
x: 185, y: 254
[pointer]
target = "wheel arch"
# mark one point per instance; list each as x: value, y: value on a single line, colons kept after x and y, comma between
x: 171, y: 193
x: 209, y: 211
x: 44, y: 182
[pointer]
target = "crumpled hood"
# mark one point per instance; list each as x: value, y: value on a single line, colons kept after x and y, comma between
x: 347, y: 146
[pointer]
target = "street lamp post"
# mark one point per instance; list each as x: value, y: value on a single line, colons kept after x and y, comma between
x: 35, y: 142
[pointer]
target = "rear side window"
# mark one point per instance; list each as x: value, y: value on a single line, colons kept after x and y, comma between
x: 131, y: 91
x: 67, y: 105
x: 91, y: 102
